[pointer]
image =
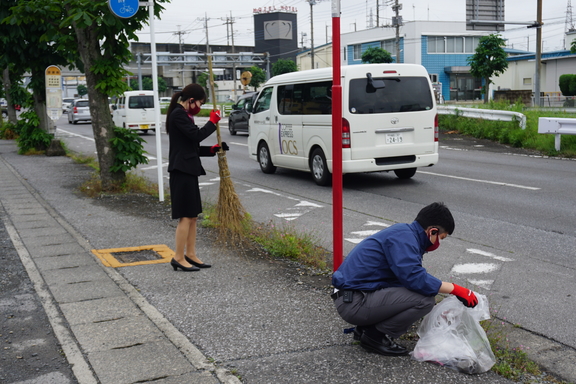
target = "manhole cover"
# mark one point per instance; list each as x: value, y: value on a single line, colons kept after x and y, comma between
x: 135, y: 256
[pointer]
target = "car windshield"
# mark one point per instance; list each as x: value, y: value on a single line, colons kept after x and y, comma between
x: 400, y: 94
x: 82, y: 103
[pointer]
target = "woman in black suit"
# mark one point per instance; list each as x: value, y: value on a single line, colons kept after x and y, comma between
x: 184, y: 166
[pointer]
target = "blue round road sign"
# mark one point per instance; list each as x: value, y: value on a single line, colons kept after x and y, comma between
x: 124, y: 8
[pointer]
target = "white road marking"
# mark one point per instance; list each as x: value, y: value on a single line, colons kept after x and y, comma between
x: 474, y: 268
x: 364, y: 233
x: 376, y: 223
x: 481, y: 181
x: 488, y: 254
x: 75, y: 134
x: 486, y: 284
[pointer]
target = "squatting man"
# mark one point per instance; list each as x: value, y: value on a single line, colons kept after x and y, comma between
x: 382, y: 287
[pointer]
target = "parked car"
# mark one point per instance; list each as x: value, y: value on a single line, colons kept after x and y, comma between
x: 165, y: 102
x: 240, y: 114
x: 66, y: 103
x: 79, y: 110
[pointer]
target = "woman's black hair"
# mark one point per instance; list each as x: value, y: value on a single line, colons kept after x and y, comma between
x: 436, y: 214
x: 191, y: 91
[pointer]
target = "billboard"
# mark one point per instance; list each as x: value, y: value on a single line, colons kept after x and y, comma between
x: 485, y: 15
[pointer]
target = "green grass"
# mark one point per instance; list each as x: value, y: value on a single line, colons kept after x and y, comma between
x: 280, y: 241
x: 510, y: 133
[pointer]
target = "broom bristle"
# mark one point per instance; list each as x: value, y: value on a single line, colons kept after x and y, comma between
x: 231, y: 214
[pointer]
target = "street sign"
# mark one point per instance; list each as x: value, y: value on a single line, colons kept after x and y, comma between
x: 53, y: 92
x: 123, y: 8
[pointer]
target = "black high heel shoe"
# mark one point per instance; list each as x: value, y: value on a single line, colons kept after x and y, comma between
x: 199, y: 265
x: 177, y: 265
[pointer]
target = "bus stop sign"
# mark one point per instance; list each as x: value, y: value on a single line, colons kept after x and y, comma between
x: 124, y: 8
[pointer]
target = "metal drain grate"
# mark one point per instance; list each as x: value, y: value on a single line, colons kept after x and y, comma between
x: 136, y: 256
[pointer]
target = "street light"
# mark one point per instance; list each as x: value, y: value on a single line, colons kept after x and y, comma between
x: 312, y: 2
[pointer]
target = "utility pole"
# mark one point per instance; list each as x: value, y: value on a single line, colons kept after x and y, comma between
x: 377, y: 14
x: 230, y: 21
x: 537, y: 98
x: 180, y: 33
x: 397, y: 22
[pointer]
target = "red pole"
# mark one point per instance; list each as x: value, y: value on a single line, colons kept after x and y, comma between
x: 337, y: 214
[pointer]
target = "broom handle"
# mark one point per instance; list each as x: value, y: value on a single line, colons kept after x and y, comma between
x: 213, y: 93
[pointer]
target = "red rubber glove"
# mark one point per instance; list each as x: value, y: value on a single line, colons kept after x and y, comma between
x: 215, y: 148
x: 215, y: 116
x: 465, y: 295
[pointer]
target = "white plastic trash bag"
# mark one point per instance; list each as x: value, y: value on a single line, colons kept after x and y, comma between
x: 451, y: 335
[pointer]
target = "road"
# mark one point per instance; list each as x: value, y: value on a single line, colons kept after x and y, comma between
x: 515, y: 234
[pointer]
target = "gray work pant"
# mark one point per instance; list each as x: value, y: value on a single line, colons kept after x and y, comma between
x: 391, y: 310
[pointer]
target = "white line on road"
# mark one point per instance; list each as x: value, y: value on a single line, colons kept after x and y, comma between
x: 481, y: 181
x: 488, y: 254
x: 75, y: 134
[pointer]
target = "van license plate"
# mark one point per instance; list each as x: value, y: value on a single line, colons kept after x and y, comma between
x: 393, y: 138
x: 144, y: 126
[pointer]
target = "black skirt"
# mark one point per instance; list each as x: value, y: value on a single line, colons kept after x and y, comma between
x: 184, y: 195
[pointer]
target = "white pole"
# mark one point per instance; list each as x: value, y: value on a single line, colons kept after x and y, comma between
x: 156, y: 102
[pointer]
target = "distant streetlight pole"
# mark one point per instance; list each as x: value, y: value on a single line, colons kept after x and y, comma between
x: 537, y: 98
x: 312, y: 3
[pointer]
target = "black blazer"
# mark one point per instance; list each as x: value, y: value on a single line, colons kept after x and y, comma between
x: 185, y: 137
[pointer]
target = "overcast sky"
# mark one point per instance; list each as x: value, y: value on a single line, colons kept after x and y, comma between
x: 188, y: 16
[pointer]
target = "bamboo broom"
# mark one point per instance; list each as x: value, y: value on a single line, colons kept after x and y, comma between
x: 231, y: 215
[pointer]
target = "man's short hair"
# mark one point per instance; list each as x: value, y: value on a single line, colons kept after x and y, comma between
x: 436, y: 214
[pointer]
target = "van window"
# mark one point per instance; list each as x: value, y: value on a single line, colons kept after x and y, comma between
x: 139, y: 102
x: 305, y: 99
x: 263, y: 102
x: 401, y: 94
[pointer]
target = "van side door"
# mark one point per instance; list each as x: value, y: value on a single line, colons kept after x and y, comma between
x: 291, y: 153
x: 260, y: 121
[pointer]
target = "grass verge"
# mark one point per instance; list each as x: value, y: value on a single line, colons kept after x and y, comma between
x: 510, y: 133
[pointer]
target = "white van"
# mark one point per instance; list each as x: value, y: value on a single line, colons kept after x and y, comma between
x: 135, y: 110
x: 389, y: 121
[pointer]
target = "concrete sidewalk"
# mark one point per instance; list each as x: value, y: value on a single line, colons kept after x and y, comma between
x: 248, y: 319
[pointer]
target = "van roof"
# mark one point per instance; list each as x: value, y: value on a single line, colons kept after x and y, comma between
x: 136, y: 93
x: 348, y: 70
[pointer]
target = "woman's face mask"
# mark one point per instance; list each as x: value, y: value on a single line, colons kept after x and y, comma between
x: 194, y: 108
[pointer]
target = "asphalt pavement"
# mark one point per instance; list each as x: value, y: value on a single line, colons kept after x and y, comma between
x: 112, y: 310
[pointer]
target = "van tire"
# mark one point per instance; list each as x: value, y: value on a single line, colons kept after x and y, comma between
x: 231, y: 128
x: 319, y: 168
x: 264, y: 159
x: 405, y: 173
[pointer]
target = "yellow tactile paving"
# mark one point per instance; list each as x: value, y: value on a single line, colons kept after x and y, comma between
x: 107, y: 258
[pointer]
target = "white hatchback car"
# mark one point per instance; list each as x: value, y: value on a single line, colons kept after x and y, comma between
x: 79, y: 111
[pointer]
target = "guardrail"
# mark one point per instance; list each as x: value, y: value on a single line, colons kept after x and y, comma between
x: 487, y: 114
x: 557, y: 126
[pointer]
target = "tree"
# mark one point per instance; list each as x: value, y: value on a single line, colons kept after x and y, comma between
x: 258, y: 76
x: 82, y: 90
x: 283, y: 66
x: 25, y: 49
x: 573, y: 46
x: 376, y: 55
x: 98, y: 42
x: 488, y: 61
x: 147, y: 84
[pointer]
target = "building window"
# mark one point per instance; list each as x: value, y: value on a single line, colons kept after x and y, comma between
x: 357, y: 52
x: 452, y: 44
x: 389, y: 46
x: 433, y: 77
x: 527, y: 81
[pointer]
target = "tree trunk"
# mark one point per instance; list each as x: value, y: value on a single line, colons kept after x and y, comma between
x: 9, y: 104
x: 102, y: 124
x: 486, y: 90
x: 45, y: 122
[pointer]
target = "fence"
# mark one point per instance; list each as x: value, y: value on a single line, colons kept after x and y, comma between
x: 487, y: 114
x: 557, y: 126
